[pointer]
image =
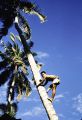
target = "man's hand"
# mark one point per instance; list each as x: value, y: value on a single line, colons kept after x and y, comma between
x: 41, y: 82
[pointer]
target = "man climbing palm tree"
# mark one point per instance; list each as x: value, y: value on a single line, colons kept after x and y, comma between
x: 55, y: 81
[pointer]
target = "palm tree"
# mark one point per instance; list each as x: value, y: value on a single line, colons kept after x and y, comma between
x: 9, y: 9
x: 13, y: 69
x: 42, y: 92
x: 8, y: 111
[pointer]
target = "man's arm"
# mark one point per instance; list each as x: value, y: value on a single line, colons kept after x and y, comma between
x: 45, y: 82
x: 51, y: 77
x: 41, y: 82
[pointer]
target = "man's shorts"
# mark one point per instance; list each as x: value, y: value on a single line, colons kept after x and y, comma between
x: 56, y: 82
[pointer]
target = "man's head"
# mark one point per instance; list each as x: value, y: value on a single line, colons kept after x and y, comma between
x: 43, y: 73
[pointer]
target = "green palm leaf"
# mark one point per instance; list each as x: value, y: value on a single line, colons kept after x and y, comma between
x: 3, y: 108
x: 12, y: 109
x: 8, y: 109
x: 5, y: 75
x: 23, y: 23
x: 26, y: 84
x: 2, y: 55
x: 32, y: 8
x: 3, y: 64
x: 17, y: 37
x: 12, y: 36
x: 10, y: 9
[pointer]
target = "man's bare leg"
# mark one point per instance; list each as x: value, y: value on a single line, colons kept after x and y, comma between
x: 53, y: 92
x: 48, y: 89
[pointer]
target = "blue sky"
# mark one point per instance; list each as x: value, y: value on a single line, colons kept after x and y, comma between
x: 59, y: 44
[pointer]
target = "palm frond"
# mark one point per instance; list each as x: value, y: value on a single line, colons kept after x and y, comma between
x: 3, y: 108
x: 3, y: 64
x: 18, y: 38
x: 10, y: 51
x: 16, y: 47
x: 26, y: 84
x: 12, y: 37
x: 12, y: 109
x: 24, y: 69
x: 7, y: 15
x: 19, y: 86
x: 7, y: 23
x: 10, y: 9
x: 5, y: 75
x: 28, y: 4
x: 24, y: 24
x: 32, y: 8
x: 2, y: 55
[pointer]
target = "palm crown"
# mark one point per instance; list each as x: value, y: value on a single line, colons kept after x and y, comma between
x: 9, y: 9
x: 13, y: 69
x: 9, y: 109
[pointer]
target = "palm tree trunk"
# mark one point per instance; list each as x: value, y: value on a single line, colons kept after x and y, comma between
x: 12, y: 87
x: 10, y: 92
x: 41, y: 90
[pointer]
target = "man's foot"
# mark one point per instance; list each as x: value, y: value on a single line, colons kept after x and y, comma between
x: 50, y: 99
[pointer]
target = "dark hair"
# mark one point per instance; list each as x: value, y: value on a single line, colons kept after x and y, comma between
x: 43, y: 72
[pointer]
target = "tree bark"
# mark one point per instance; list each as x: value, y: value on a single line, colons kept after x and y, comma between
x: 41, y: 90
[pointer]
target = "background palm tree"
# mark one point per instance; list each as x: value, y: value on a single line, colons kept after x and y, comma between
x: 13, y: 68
x: 8, y: 111
x: 9, y: 9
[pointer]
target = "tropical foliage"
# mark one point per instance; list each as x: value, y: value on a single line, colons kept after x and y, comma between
x: 9, y: 109
x: 9, y: 9
x: 13, y: 68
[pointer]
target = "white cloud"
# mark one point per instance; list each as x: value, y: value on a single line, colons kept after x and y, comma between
x: 31, y: 99
x: 61, y: 115
x: 78, y: 103
x: 29, y: 113
x: 59, y: 96
x: 42, y: 55
x: 36, y: 111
